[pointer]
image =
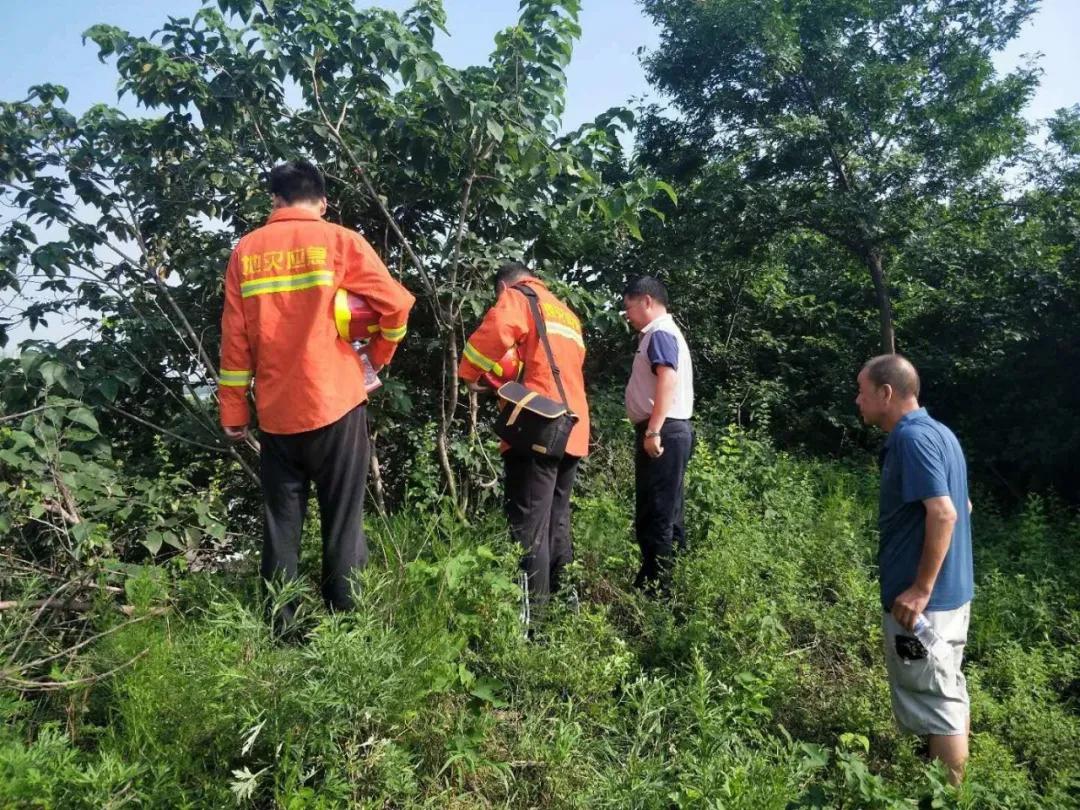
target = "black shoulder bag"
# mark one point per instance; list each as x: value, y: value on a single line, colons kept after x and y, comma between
x: 528, y: 420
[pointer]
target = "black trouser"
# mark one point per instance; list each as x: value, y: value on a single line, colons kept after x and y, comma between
x: 658, y: 513
x: 335, y: 458
x: 538, y: 511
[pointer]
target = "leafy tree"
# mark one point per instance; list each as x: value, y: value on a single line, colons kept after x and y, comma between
x: 990, y: 305
x: 446, y: 171
x: 847, y: 117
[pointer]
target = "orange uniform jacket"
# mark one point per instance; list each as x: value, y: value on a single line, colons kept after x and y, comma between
x: 278, y: 327
x: 510, y: 322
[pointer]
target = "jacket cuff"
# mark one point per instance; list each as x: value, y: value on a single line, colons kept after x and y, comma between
x: 467, y: 372
x: 381, y: 350
x: 234, y: 410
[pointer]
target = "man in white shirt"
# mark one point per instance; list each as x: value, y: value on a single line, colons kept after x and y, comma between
x: 660, y: 403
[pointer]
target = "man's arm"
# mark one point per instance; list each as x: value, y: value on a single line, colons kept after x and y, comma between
x: 504, y: 325
x: 664, y: 358
x: 940, y: 520
x: 366, y: 275
x: 235, y: 373
x: 663, y: 400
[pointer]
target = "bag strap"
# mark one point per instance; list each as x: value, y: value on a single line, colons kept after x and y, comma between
x: 541, y: 331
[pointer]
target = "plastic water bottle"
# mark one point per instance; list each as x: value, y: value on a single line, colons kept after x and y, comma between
x: 371, y: 377
x: 934, y: 643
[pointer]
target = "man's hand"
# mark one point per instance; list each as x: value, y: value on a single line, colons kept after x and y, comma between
x: 908, y: 606
x: 236, y: 434
x: 653, y: 448
x: 479, y: 388
x: 940, y: 519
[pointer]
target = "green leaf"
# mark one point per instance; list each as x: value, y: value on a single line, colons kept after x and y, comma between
x: 84, y: 417
x: 455, y: 570
x: 14, y: 459
x: 487, y: 690
x: 850, y: 740
x: 109, y: 388
x: 81, y: 531
x: 153, y: 541
x: 21, y: 438
x: 667, y: 189
x: 50, y: 372
x: 814, y: 756
x: 495, y: 130
x: 465, y: 675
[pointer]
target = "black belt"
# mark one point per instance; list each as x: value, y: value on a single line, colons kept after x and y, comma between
x: 644, y: 425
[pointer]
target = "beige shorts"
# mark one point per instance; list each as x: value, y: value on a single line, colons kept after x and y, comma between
x: 929, y: 695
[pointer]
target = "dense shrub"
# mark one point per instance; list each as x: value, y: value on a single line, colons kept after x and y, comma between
x: 759, y: 685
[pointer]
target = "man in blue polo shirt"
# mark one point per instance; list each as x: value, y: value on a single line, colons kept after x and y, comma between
x: 924, y: 558
x: 659, y: 403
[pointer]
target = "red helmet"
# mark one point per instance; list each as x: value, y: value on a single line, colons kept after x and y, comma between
x: 355, y: 318
x: 507, y: 369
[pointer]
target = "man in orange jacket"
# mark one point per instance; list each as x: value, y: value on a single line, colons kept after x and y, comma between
x: 278, y: 331
x: 537, y: 496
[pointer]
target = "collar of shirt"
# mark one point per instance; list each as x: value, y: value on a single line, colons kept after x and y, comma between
x: 656, y: 323
x: 531, y: 281
x: 292, y: 212
x: 916, y: 415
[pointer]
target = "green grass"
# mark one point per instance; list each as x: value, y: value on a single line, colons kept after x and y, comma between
x: 759, y: 686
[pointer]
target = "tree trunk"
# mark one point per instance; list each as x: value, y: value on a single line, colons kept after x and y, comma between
x: 448, y: 408
x: 872, y: 257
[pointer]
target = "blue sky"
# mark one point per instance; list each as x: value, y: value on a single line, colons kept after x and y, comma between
x: 42, y: 42
x: 42, y: 39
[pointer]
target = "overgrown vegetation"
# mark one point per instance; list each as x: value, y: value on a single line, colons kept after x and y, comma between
x: 759, y: 686
x: 828, y: 176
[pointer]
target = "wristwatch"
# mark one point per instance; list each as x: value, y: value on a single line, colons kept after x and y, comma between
x: 650, y: 433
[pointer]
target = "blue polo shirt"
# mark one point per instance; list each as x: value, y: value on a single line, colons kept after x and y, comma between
x: 922, y: 459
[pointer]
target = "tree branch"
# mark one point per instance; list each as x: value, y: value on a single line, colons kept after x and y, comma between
x: 46, y: 686
x: 166, y: 431
x: 370, y: 187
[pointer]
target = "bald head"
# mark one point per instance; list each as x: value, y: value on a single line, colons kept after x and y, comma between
x: 888, y: 388
x: 896, y: 371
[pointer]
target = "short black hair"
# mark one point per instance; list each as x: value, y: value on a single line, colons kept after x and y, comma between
x: 297, y: 181
x: 509, y: 273
x: 647, y: 285
x: 896, y: 371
